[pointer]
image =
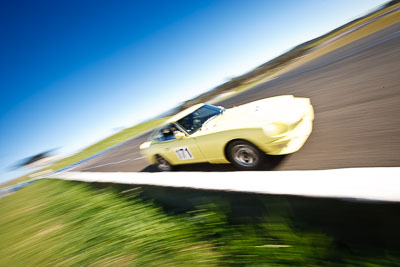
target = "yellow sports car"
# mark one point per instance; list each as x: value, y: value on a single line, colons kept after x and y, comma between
x: 240, y: 135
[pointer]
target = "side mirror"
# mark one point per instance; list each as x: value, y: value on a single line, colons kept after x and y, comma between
x: 179, y: 135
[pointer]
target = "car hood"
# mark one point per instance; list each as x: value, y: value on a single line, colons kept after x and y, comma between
x: 283, y: 109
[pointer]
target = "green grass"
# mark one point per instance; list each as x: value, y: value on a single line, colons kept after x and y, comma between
x: 57, y: 223
x: 64, y: 223
x: 113, y: 140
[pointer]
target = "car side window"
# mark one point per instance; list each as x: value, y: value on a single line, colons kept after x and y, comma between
x: 165, y: 133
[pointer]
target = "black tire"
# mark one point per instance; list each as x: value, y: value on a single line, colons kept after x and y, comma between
x: 163, y: 164
x: 244, y: 155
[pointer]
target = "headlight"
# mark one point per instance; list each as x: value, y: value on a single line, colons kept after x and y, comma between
x: 274, y: 129
x: 145, y: 145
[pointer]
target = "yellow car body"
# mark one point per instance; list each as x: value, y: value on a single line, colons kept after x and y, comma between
x: 276, y: 126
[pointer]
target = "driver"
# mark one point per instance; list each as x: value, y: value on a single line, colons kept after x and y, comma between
x: 168, y: 133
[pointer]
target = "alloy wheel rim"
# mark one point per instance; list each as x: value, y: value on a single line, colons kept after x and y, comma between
x: 245, y: 155
x: 163, y: 164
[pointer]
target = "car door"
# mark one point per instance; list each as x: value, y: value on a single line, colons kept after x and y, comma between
x: 178, y: 151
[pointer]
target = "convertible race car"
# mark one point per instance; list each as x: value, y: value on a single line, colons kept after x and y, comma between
x: 240, y: 135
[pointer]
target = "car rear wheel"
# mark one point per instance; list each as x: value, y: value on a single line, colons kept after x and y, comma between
x: 244, y: 155
x: 163, y: 164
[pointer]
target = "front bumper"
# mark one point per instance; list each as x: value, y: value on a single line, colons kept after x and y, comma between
x: 294, y: 139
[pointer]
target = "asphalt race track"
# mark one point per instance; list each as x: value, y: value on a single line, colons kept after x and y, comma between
x: 355, y: 91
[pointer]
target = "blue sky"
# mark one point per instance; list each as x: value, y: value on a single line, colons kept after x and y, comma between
x: 72, y: 71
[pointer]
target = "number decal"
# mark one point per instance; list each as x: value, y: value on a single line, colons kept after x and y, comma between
x: 183, y: 153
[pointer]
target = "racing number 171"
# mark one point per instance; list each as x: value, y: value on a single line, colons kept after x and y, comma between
x: 183, y: 153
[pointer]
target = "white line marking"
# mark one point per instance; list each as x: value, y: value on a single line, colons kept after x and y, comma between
x: 381, y: 184
x: 111, y: 163
x: 127, y: 148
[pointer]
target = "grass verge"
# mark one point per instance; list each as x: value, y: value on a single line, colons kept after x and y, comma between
x: 66, y: 223
x: 57, y: 223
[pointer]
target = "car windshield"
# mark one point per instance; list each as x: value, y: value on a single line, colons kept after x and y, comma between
x: 194, y: 121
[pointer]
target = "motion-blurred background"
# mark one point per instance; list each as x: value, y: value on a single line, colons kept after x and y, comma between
x: 83, y: 82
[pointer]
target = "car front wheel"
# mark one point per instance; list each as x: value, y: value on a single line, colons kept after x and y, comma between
x: 163, y: 164
x: 244, y: 155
